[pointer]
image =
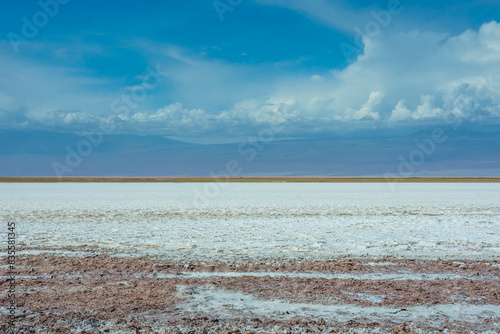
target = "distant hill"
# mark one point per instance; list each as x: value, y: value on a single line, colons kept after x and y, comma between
x: 36, y: 153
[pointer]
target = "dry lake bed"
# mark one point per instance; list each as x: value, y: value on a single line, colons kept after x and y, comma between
x: 250, y: 257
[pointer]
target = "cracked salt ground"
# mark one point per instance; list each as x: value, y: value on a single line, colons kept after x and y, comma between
x: 228, y: 304
x: 311, y: 220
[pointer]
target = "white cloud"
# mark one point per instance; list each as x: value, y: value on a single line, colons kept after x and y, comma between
x: 420, y: 74
x: 402, y: 78
x: 427, y: 108
x: 316, y: 77
x: 400, y: 112
x: 336, y: 14
x: 367, y: 110
x: 482, y: 46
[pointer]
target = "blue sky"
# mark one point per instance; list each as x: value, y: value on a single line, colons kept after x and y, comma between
x: 313, y: 68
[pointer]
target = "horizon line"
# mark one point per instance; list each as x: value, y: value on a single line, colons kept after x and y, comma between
x: 242, y: 179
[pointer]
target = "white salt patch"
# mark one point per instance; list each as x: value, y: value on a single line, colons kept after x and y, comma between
x: 229, y: 304
x: 281, y: 220
x: 368, y: 276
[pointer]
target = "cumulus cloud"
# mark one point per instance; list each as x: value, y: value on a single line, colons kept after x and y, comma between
x: 367, y: 110
x: 401, y: 78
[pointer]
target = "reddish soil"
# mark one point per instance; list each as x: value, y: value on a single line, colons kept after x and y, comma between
x: 103, y: 294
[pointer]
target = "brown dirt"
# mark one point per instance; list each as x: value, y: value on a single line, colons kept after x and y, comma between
x: 108, y: 265
x: 103, y: 294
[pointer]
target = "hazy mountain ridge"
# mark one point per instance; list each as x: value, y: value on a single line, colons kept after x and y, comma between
x: 34, y: 153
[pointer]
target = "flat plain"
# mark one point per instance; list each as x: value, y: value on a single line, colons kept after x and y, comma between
x: 254, y: 257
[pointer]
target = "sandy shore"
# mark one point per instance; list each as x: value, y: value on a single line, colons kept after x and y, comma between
x: 98, y: 293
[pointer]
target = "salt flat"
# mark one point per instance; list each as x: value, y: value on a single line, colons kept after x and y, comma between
x: 255, y: 257
x: 251, y: 220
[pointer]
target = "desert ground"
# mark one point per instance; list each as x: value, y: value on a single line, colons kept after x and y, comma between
x: 98, y: 293
x: 257, y: 258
